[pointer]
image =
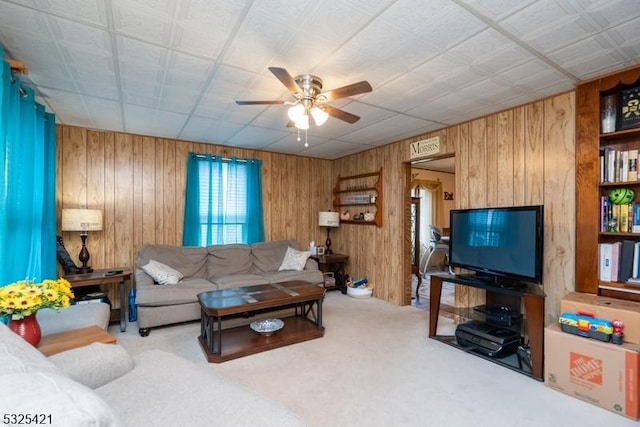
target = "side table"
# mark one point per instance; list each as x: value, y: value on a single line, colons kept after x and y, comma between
x: 112, y: 276
x: 63, y: 341
x: 334, y: 263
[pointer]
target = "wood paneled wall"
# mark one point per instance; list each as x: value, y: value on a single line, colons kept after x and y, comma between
x: 516, y: 157
x: 521, y: 156
x: 139, y: 182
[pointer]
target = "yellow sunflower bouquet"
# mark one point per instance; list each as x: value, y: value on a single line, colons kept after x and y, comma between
x: 24, y: 298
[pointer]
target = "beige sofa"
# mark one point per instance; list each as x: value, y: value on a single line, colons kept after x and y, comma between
x: 206, y: 269
x: 101, y: 385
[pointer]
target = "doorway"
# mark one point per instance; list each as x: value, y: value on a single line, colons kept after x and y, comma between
x: 432, y: 195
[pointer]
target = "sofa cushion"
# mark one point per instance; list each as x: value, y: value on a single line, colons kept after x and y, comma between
x: 228, y: 259
x: 237, y: 280
x: 65, y: 401
x: 177, y: 392
x: 18, y: 356
x: 182, y: 293
x: 268, y: 256
x: 94, y: 365
x: 162, y: 273
x: 294, y: 260
x: 191, y: 261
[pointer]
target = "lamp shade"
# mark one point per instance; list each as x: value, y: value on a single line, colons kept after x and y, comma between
x: 328, y: 219
x: 319, y: 116
x: 81, y: 220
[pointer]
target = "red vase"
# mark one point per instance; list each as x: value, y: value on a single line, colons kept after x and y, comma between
x: 28, y: 328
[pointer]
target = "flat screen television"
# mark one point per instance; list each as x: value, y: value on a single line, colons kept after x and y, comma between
x: 503, y: 245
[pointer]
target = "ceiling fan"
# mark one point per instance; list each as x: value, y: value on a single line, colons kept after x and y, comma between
x: 310, y: 100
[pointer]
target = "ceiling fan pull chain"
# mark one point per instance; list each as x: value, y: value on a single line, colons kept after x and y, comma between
x: 306, y: 138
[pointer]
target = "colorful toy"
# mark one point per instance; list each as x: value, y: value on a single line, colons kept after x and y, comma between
x: 621, y: 196
x: 617, y: 336
x: 586, y: 325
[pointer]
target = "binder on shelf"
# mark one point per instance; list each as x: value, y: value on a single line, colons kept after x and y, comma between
x: 605, y: 252
x: 625, y: 269
x: 615, y: 261
x: 636, y: 260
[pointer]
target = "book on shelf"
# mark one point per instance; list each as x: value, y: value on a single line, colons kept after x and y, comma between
x: 635, y: 224
x: 633, y: 165
x: 624, y: 165
x: 623, y: 218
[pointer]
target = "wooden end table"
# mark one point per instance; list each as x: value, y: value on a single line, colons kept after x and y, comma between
x: 220, y: 345
x: 106, y: 277
x: 63, y: 341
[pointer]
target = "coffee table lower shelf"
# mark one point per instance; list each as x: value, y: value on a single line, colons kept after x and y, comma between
x: 242, y: 340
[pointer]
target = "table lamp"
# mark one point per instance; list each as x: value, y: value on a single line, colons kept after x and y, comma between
x: 328, y: 219
x: 82, y: 220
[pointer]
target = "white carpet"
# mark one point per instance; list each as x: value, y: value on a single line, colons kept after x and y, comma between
x: 375, y: 366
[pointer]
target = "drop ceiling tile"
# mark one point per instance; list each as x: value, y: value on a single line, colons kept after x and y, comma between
x: 255, y: 137
x: 105, y: 114
x: 68, y: 107
x: 383, y: 131
x: 450, y: 27
x: 91, y: 11
x: 607, y: 13
x: 153, y: 122
x: 489, y: 51
x: 290, y: 145
x: 496, y: 9
x: 332, y: 149
x: 149, y: 24
x: 99, y: 87
x: 22, y: 19
x: 539, y: 16
x: 209, y: 130
x: 136, y: 51
x: 203, y: 26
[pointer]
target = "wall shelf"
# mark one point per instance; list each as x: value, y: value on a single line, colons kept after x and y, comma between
x: 363, y: 190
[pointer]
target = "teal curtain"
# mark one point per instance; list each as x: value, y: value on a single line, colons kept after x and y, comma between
x: 27, y: 184
x: 223, y: 202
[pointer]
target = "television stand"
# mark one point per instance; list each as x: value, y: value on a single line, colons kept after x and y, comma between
x: 532, y: 323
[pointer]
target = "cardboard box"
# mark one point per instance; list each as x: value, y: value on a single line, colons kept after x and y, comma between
x: 607, y: 309
x: 597, y: 372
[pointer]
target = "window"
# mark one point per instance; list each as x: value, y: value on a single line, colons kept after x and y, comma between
x: 224, y: 201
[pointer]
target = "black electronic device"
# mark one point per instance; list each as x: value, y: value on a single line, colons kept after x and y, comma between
x: 490, y: 340
x: 504, y: 246
x: 500, y: 315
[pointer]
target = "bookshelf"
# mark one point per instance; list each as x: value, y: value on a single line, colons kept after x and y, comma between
x: 592, y: 187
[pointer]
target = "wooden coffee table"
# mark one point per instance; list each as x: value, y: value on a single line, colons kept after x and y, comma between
x: 63, y: 341
x: 220, y: 345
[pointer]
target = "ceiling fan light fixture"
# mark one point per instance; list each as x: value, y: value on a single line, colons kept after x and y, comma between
x: 302, y: 122
x: 296, y: 113
x: 319, y: 115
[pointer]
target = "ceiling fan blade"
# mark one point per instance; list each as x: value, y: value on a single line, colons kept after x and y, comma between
x: 291, y: 124
x: 345, y: 91
x: 286, y: 79
x: 340, y: 114
x: 274, y: 102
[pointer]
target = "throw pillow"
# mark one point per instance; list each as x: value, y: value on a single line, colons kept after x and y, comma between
x: 294, y: 259
x: 161, y: 273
